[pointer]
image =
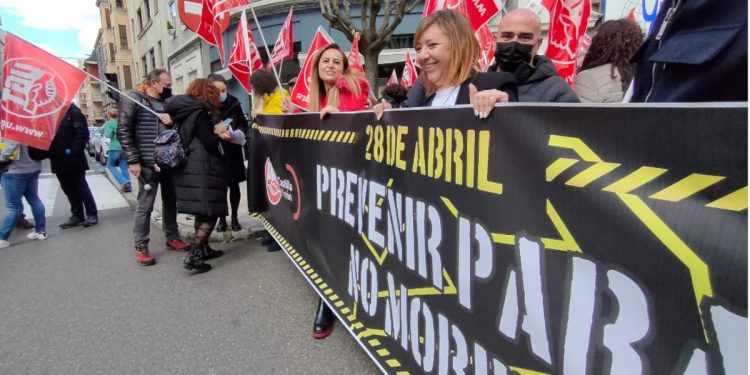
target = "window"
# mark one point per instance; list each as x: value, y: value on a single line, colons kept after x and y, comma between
x: 111, y: 47
x: 148, y: 9
x: 178, y: 84
x: 152, y: 58
x: 123, y: 36
x: 107, y: 20
x: 119, y: 3
x: 140, y: 20
x: 145, y: 66
x: 400, y: 41
x: 160, y: 53
x: 128, y: 77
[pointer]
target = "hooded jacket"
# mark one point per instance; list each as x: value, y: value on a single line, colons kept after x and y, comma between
x: 540, y: 83
x: 200, y: 186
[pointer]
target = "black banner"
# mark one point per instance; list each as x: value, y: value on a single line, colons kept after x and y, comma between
x: 543, y: 240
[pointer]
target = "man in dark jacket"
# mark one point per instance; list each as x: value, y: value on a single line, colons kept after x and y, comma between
x: 696, y: 52
x: 136, y: 130
x: 518, y: 38
x: 67, y: 155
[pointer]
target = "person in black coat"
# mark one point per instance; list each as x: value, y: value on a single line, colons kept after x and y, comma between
x: 447, y: 52
x: 201, y: 185
x: 230, y: 108
x: 67, y: 155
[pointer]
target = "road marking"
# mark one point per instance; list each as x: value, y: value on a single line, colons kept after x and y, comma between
x: 105, y: 194
x: 47, y: 194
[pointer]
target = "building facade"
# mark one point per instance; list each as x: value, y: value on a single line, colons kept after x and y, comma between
x: 150, y: 25
x: 90, y: 94
x: 114, y: 49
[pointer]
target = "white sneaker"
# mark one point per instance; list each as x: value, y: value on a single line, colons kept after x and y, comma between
x: 37, y: 236
x: 4, y: 244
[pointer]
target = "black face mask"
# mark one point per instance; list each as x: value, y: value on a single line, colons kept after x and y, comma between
x: 511, y: 55
x: 166, y: 93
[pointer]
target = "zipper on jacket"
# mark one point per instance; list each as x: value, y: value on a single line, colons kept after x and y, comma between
x: 662, y: 28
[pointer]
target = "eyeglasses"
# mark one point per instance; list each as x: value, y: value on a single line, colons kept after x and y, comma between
x: 509, y: 36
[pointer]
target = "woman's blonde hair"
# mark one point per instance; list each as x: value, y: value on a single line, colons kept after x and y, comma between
x: 318, y: 89
x: 112, y: 113
x: 464, y: 47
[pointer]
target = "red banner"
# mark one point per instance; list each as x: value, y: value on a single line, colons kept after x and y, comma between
x: 410, y: 72
x: 37, y: 90
x: 353, y: 56
x: 210, y: 29
x: 301, y: 91
x: 240, y: 65
x: 223, y: 6
x: 393, y: 78
x: 283, y: 49
x: 478, y: 12
x: 486, y: 46
x: 567, y: 25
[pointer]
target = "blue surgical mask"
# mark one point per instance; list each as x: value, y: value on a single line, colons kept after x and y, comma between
x: 223, y: 97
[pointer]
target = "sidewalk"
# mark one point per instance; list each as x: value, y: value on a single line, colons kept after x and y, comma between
x: 186, y: 228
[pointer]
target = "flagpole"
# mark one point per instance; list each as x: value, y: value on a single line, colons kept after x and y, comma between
x: 248, y: 56
x: 265, y: 45
x: 122, y: 94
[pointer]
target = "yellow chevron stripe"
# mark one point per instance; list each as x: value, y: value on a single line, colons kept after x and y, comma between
x: 374, y: 342
x: 341, y: 136
x: 575, y: 144
x: 686, y: 187
x: 357, y: 325
x: 339, y: 303
x: 353, y: 138
x: 322, y: 133
x: 567, y: 243
x: 383, y: 352
x: 505, y: 239
x: 451, y: 207
x: 591, y: 173
x: 736, y: 201
x: 635, y: 180
x: 393, y: 363
x: 559, y: 166
x: 525, y: 371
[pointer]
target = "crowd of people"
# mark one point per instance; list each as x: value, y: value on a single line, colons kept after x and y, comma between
x: 214, y: 130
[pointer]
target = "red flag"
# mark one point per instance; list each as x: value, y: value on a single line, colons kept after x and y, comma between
x: 353, y: 56
x: 244, y: 45
x: 410, y: 72
x: 393, y: 79
x: 223, y: 6
x: 429, y: 7
x: 631, y: 15
x: 478, y: 12
x: 284, y: 47
x: 210, y: 29
x: 486, y: 46
x: 301, y: 91
x: 37, y: 90
x: 568, y: 23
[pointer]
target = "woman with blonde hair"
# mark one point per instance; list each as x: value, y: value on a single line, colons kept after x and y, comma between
x: 448, y: 53
x: 334, y: 85
x: 122, y: 176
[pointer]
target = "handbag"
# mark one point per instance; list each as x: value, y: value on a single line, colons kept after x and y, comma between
x: 169, y: 152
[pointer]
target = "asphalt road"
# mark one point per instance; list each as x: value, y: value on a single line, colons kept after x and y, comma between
x: 78, y: 303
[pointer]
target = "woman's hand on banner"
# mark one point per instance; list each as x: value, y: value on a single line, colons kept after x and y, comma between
x: 484, y: 101
x: 328, y: 109
x: 286, y: 105
x: 380, y: 108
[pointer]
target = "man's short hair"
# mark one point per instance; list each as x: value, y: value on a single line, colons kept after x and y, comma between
x: 154, y: 75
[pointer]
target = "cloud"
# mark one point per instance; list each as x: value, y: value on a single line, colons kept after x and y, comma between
x: 56, y: 15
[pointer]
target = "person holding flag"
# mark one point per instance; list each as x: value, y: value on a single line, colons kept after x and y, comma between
x: 335, y: 86
x: 274, y: 100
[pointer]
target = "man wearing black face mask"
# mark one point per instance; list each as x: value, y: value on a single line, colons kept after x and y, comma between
x: 518, y: 40
x: 136, y: 130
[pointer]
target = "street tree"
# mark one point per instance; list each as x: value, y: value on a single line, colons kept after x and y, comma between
x: 378, y: 20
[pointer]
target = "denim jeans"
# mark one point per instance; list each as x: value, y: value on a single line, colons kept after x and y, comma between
x: 145, y: 205
x: 16, y: 186
x: 122, y: 175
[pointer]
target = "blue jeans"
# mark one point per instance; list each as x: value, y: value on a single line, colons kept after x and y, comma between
x: 15, y: 186
x: 122, y: 175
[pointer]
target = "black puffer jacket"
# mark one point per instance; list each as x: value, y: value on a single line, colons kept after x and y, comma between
x: 235, y: 165
x: 67, y: 151
x: 201, y: 185
x: 541, y: 83
x: 137, y: 128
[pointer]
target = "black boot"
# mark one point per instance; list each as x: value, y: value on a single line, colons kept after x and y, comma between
x: 194, y: 259
x: 324, y: 320
x: 74, y: 221
x: 236, y: 224
x: 222, y: 225
x: 211, y: 253
x: 91, y: 220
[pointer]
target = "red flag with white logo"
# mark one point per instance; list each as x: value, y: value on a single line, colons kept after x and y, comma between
x: 240, y: 65
x: 190, y: 14
x: 353, y: 56
x: 486, y: 46
x: 37, y: 90
x: 283, y: 49
x: 210, y: 29
x: 410, y: 72
x: 478, y: 12
x: 223, y: 6
x: 567, y: 25
x: 301, y: 91
x: 393, y: 79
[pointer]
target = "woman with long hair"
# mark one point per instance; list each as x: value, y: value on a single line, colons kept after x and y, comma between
x: 606, y: 71
x: 233, y: 158
x: 448, y: 52
x: 334, y: 87
x: 201, y: 185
